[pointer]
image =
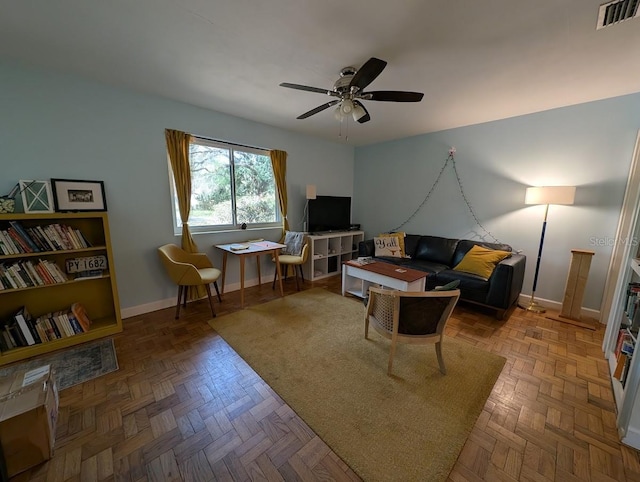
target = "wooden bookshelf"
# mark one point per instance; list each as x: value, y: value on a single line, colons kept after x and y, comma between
x: 99, y: 295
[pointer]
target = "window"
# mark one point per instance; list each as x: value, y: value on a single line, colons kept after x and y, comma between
x: 230, y: 185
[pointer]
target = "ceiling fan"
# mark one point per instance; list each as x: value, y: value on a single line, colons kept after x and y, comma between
x: 349, y: 91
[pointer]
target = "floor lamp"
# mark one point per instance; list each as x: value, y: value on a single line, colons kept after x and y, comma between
x: 545, y: 195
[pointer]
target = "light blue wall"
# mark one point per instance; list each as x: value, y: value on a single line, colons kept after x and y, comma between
x: 589, y: 146
x: 58, y: 126
x: 54, y: 125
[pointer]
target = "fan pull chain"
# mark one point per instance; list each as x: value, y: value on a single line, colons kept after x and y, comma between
x: 451, y: 158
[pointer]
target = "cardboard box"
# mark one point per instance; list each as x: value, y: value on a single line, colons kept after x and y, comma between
x: 28, y: 414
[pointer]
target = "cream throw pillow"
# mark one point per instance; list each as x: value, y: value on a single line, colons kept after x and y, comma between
x: 387, y: 246
x: 400, y: 237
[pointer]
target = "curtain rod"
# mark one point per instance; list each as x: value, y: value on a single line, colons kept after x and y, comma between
x: 231, y: 143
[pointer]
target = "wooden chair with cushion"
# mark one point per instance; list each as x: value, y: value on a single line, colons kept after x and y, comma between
x: 410, y: 317
x: 287, y: 260
x: 189, y: 269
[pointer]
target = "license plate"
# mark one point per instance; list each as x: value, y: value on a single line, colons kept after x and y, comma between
x: 76, y: 265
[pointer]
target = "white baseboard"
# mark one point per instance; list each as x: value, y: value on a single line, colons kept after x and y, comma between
x: 557, y: 306
x: 632, y: 438
x: 171, y: 302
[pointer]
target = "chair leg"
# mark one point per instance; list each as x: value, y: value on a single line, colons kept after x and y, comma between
x: 301, y: 273
x: 366, y: 327
x: 208, y: 288
x: 295, y: 275
x: 275, y: 275
x: 215, y: 285
x: 185, y: 295
x: 443, y: 370
x: 180, y: 289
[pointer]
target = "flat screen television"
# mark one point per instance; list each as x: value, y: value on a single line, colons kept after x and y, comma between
x: 329, y: 213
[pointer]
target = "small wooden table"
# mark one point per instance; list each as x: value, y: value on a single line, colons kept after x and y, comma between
x: 242, y: 250
x: 356, y: 279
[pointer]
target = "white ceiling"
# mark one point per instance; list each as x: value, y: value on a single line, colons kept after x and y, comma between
x: 475, y: 61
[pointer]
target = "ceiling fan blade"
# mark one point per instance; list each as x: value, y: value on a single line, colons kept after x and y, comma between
x: 393, y: 96
x: 366, y: 117
x: 367, y: 73
x: 307, y: 88
x: 320, y: 108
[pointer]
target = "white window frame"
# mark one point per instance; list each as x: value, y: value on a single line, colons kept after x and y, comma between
x: 177, y: 223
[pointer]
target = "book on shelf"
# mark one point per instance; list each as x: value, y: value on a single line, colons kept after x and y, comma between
x: 22, y: 329
x: 25, y: 274
x: 21, y: 319
x: 18, y: 239
x: 80, y: 314
x: 623, y: 336
x: 24, y: 236
x: 21, y: 244
x: 5, y: 342
x: 8, y: 242
x: 621, y: 361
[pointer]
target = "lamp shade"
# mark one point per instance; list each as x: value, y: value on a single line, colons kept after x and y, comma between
x: 358, y: 112
x: 311, y: 191
x: 550, y: 195
x: 346, y: 107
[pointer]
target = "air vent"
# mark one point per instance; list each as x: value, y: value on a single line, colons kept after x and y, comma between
x: 617, y: 11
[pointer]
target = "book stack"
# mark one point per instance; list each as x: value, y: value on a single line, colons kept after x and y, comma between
x: 23, y: 330
x: 631, y: 300
x: 17, y: 239
x: 623, y: 352
x: 28, y: 273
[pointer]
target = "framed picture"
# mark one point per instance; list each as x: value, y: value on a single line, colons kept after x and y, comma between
x: 74, y: 195
x: 36, y: 196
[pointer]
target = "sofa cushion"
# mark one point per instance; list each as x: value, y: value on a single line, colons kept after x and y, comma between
x: 410, y: 243
x: 436, y: 249
x: 472, y: 287
x: 481, y: 261
x: 465, y: 245
x: 428, y: 266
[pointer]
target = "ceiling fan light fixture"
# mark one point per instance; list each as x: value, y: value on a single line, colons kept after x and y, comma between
x: 349, y: 90
x: 346, y: 107
x: 358, y: 112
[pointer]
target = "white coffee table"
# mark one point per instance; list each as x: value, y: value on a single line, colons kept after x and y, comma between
x: 356, y: 280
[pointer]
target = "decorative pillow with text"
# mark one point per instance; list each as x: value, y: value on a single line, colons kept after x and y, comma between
x: 387, y: 246
x: 400, y: 237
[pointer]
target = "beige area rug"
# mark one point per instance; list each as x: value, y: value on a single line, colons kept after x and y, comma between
x: 310, y: 348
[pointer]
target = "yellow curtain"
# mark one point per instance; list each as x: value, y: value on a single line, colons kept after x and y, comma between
x: 178, y: 149
x: 279, y: 164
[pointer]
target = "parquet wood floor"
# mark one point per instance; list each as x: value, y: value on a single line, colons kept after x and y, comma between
x: 184, y: 406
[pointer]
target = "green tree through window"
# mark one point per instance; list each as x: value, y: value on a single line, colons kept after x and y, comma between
x: 230, y: 185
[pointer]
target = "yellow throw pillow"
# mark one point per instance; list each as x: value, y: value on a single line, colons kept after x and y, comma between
x: 400, y: 237
x: 481, y: 261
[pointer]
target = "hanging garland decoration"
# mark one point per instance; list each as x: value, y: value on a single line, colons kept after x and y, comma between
x: 450, y: 158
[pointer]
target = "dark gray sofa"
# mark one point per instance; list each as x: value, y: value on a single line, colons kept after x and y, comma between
x: 437, y: 256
